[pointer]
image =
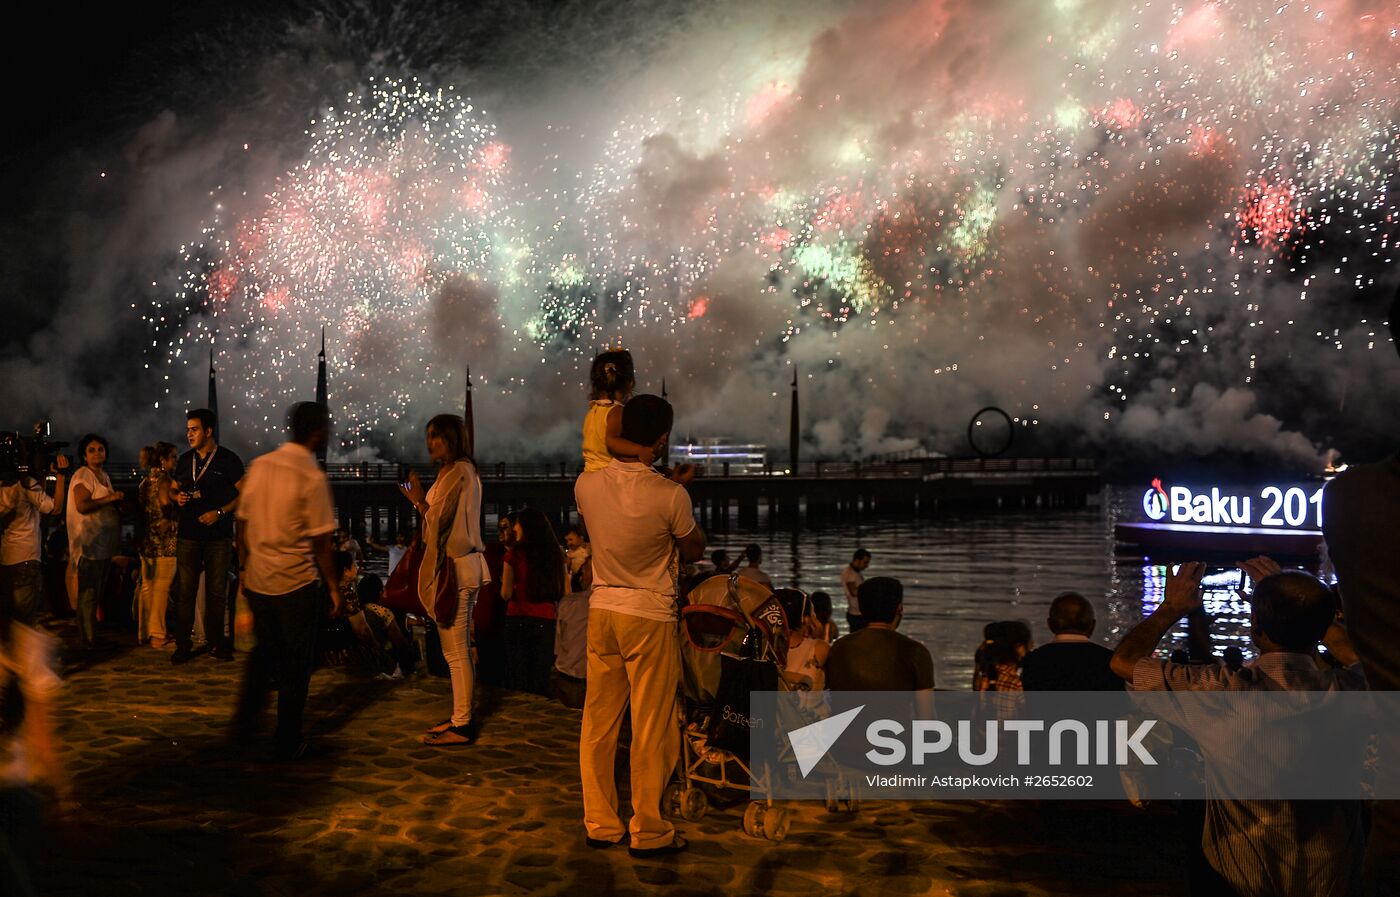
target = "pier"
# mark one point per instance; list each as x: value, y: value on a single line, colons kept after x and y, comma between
x: 368, y: 494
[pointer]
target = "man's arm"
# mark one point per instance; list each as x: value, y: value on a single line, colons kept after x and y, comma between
x: 324, y: 553
x: 1338, y: 644
x: 1183, y: 594
x: 209, y: 518
x: 60, y: 484
x: 692, y: 545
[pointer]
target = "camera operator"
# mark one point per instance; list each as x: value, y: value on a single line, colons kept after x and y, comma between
x: 22, y: 502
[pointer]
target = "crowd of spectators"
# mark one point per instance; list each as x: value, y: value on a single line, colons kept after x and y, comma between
x: 591, y: 620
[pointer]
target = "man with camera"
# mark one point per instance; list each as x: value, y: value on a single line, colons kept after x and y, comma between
x: 22, y: 503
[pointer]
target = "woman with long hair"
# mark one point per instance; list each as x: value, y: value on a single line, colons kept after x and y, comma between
x: 160, y: 526
x: 532, y: 583
x: 451, y: 512
x: 94, y: 531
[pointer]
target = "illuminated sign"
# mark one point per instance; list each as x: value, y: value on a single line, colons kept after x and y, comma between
x: 1155, y: 501
x: 1283, y: 507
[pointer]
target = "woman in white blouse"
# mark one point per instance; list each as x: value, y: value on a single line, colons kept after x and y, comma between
x: 452, y: 543
x: 94, y: 531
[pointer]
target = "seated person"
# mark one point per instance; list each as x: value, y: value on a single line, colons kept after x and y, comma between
x: 1070, y: 661
x: 877, y: 658
x: 387, y: 623
x: 719, y: 559
x: 806, y: 656
x: 823, y: 627
x: 754, y: 568
x: 373, y: 624
x: 996, y: 666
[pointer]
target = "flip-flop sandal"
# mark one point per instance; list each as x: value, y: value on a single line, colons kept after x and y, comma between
x: 450, y: 737
x: 440, y: 727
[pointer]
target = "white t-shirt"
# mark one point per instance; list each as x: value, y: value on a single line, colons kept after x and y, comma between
x: 634, y: 518
x: 396, y: 553
x: 92, y: 536
x: 284, y: 503
x: 757, y: 574
x: 851, y: 578
x: 27, y: 502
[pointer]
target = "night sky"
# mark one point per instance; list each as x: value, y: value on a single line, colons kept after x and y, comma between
x: 1144, y: 231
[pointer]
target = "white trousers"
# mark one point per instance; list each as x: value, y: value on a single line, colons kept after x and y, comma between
x: 456, y: 642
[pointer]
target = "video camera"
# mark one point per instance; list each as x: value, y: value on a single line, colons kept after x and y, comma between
x: 27, y: 456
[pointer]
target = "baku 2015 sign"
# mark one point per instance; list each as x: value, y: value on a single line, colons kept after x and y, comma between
x: 1284, y: 507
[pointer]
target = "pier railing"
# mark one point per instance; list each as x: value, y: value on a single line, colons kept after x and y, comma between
x: 913, y: 468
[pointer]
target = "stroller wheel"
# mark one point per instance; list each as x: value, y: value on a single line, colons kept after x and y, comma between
x: 753, y: 819
x: 837, y: 799
x: 775, y: 823
x: 693, y: 804
x: 671, y: 803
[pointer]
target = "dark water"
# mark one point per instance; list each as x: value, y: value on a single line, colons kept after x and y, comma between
x: 963, y: 571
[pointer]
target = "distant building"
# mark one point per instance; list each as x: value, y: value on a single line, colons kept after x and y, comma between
x: 716, y: 457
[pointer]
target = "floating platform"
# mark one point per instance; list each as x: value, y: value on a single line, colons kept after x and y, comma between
x: 1185, y: 540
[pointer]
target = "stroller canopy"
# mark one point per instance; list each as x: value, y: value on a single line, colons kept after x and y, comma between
x: 723, y: 610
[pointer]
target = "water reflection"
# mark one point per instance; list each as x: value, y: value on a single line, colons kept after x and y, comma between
x: 961, y: 571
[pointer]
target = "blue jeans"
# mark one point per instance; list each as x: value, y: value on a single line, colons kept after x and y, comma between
x: 92, y: 583
x: 212, y: 558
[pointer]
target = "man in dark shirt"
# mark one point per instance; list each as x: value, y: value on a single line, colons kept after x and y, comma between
x: 1361, y: 516
x: 877, y: 658
x: 206, y: 479
x: 1070, y: 661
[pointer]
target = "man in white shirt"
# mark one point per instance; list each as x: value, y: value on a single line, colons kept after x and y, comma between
x: 851, y: 578
x: 22, y: 503
x: 754, y: 569
x: 284, y: 538
x: 642, y: 528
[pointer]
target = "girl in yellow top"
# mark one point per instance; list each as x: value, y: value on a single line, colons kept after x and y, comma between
x: 613, y: 378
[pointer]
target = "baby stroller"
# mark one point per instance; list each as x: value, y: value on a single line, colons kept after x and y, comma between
x: 735, y: 641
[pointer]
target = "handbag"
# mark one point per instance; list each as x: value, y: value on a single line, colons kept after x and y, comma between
x: 401, y: 591
x: 732, y: 721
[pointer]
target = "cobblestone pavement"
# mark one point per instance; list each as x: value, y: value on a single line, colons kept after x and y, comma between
x: 166, y: 807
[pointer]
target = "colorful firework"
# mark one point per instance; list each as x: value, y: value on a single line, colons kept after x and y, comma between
x: 1116, y: 185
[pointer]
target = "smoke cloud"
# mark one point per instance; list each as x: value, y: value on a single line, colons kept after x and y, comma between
x: 1084, y: 214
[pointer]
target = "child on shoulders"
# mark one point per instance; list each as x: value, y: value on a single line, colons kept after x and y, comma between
x: 613, y: 378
